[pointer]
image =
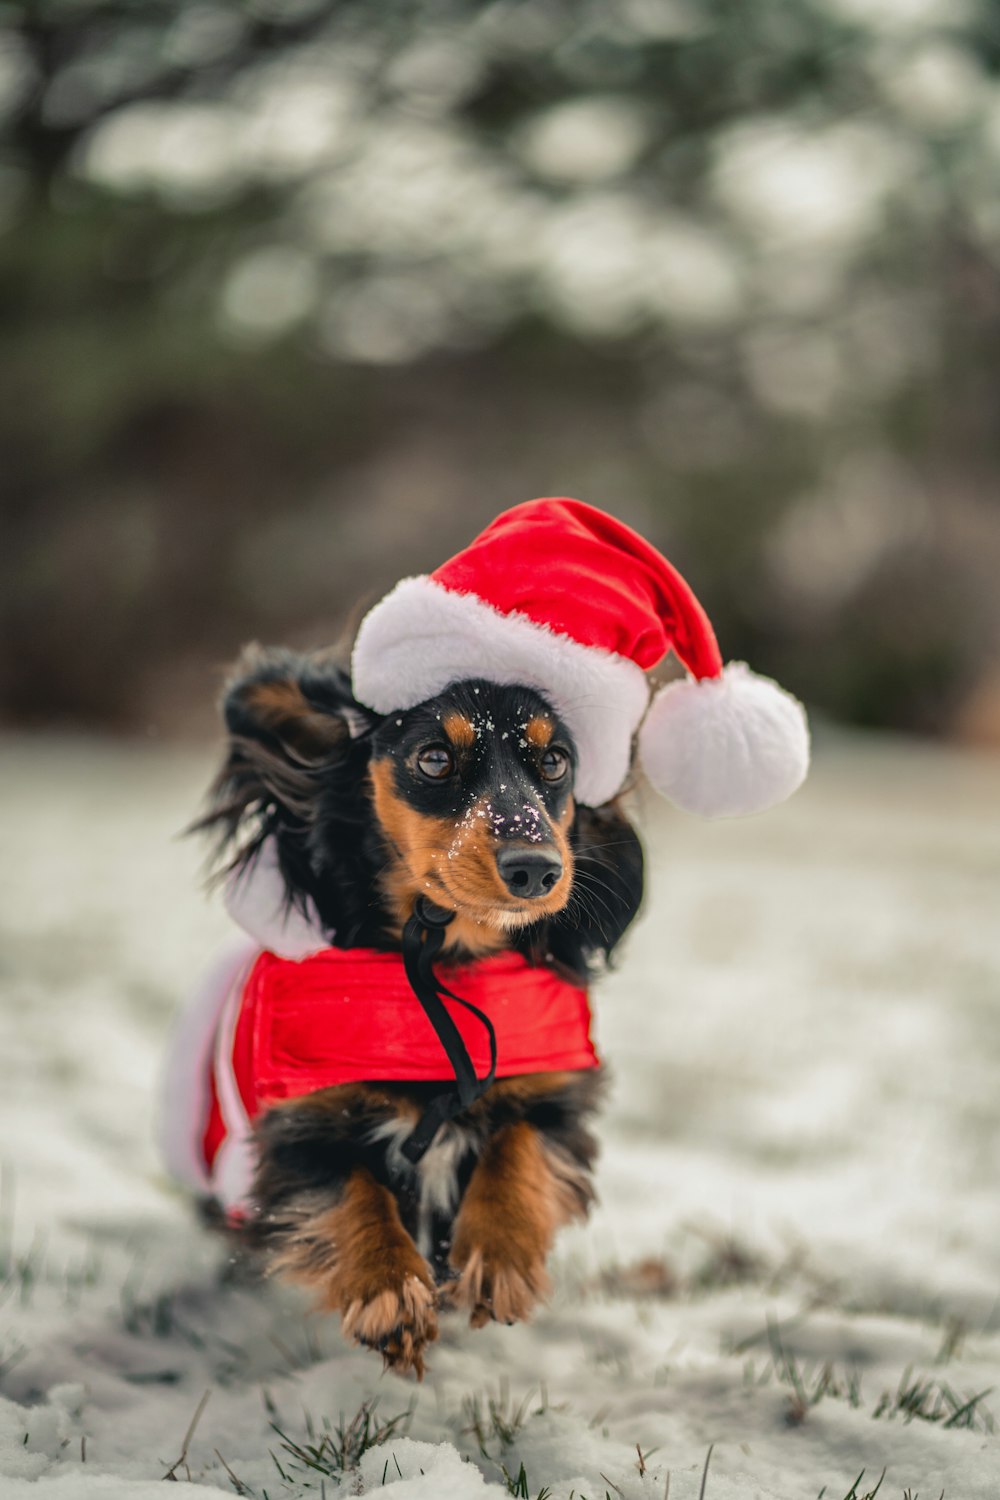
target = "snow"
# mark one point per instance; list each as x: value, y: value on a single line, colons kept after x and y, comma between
x: 799, y: 1171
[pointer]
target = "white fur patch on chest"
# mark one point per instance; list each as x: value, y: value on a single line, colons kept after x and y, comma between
x: 436, y: 1171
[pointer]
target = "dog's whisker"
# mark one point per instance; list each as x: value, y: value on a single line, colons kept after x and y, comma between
x: 584, y: 890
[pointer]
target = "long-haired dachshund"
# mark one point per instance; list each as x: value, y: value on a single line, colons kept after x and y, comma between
x: 392, y: 1094
x: 467, y: 802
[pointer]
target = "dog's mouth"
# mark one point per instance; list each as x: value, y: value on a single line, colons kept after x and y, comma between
x: 479, y: 896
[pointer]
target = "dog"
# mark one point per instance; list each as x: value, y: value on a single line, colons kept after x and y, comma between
x: 465, y: 801
x: 391, y: 1096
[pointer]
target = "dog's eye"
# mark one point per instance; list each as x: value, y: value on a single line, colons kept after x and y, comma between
x: 436, y: 762
x: 554, y: 765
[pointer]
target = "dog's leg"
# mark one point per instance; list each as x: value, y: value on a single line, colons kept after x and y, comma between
x: 522, y: 1190
x: 357, y: 1258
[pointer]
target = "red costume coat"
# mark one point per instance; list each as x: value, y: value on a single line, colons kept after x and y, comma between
x: 269, y: 1028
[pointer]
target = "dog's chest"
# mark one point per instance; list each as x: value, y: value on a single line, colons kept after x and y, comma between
x: 433, y: 1184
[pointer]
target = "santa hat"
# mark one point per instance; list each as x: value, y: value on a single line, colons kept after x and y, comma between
x: 563, y: 598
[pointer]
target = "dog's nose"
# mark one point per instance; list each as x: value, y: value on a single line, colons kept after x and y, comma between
x: 529, y: 872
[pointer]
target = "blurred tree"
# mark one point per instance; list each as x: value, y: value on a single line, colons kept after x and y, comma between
x: 295, y: 295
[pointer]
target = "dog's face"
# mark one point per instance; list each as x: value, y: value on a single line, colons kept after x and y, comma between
x: 466, y: 799
x: 473, y: 792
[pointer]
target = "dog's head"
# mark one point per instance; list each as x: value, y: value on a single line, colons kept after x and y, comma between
x: 466, y: 799
x: 473, y: 791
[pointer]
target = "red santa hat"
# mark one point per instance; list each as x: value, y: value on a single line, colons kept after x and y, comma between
x: 563, y: 598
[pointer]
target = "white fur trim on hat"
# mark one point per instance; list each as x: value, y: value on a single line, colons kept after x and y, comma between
x: 421, y: 637
x: 727, y: 745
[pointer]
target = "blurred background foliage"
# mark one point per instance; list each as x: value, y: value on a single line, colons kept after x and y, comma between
x: 295, y: 296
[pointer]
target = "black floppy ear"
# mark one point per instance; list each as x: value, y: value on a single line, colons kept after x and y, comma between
x: 300, y: 705
x: 607, y: 888
x: 298, y: 747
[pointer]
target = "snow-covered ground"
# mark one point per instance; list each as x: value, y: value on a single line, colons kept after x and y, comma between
x: 797, y: 1254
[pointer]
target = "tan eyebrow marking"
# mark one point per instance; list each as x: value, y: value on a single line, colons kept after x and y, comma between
x: 538, y: 731
x: 459, y: 730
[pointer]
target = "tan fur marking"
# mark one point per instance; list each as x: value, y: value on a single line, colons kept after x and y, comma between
x: 459, y: 730
x: 282, y: 708
x: 539, y: 731
x: 356, y: 1258
x: 454, y: 865
x: 520, y: 1193
x: 276, y: 701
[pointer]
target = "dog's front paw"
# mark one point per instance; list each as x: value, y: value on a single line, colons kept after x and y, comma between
x: 499, y: 1284
x: 399, y: 1321
x: 357, y: 1258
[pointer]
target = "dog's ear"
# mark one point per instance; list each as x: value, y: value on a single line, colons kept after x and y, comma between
x: 607, y: 888
x: 298, y: 744
x: 300, y: 706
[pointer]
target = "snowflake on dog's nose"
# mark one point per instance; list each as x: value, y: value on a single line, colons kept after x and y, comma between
x: 532, y: 831
x: 528, y: 822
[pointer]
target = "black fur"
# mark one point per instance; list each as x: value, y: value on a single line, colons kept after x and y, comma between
x: 308, y: 1152
x: 306, y: 782
x: 298, y: 767
x: 500, y: 766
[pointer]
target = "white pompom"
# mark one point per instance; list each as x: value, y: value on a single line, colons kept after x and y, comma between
x: 725, y: 746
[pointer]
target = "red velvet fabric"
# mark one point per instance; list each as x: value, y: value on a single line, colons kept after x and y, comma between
x: 577, y: 570
x: 349, y: 1015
